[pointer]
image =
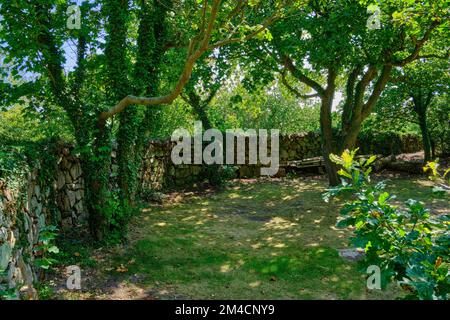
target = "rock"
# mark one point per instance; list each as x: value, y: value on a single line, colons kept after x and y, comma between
x: 41, y: 222
x: 35, y: 233
x: 61, y: 180
x: 11, y: 275
x: 66, y: 223
x: 25, y: 270
x: 79, y: 207
x: 3, y: 234
x: 65, y: 203
x: 68, y: 177
x: 37, y: 191
x: 72, y: 199
x: 8, y: 195
x: 28, y: 293
x: 5, y: 255
x: 75, y: 171
x: 12, y: 237
x: 351, y: 254
x: 26, y: 223
x: 78, y: 195
x: 38, y: 209
x: 30, y: 238
x: 33, y: 203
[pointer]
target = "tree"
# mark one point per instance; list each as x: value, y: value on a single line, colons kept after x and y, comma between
x: 207, y: 78
x: 327, y: 42
x: 34, y: 36
x: 413, y: 88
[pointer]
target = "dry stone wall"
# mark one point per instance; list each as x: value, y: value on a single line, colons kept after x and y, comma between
x: 58, y: 199
x: 29, y: 202
x: 23, y: 214
x: 158, y: 172
x: 69, y: 189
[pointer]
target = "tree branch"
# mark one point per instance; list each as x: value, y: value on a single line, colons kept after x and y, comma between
x: 231, y: 40
x: 350, y: 95
x: 197, y: 47
x: 418, y: 44
x: 289, y: 65
x: 295, y: 91
x: 80, y: 71
x: 378, y: 89
x: 193, y: 56
x: 368, y: 76
x: 435, y: 56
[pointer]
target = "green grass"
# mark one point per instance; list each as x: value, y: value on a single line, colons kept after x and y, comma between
x: 270, y: 240
x: 267, y: 240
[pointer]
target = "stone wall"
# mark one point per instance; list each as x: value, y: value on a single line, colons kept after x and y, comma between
x: 54, y: 195
x: 23, y: 213
x: 158, y: 171
x: 28, y: 202
x: 388, y: 143
x: 69, y: 189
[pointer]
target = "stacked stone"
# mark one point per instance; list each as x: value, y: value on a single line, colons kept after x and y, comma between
x: 299, y: 146
x: 154, y: 165
x: 25, y: 210
x: 19, y: 233
x: 69, y: 190
x: 159, y: 172
x: 411, y: 143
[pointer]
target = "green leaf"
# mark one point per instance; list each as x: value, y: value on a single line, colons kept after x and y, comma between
x: 370, y: 160
x: 382, y: 198
x: 344, y: 173
x: 53, y: 249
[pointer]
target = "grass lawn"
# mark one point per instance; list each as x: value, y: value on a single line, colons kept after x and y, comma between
x: 265, y: 240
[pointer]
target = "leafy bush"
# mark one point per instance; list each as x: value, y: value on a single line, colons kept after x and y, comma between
x: 218, y: 175
x: 442, y: 181
x: 46, y: 248
x: 7, y: 294
x: 410, y: 246
x: 151, y: 195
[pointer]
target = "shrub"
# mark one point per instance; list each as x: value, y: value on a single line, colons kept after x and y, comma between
x: 441, y: 181
x: 218, y: 175
x: 410, y: 246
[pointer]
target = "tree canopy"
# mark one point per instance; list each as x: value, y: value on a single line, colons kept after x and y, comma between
x: 135, y: 68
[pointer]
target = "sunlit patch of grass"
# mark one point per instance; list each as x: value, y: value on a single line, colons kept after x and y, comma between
x: 265, y: 240
x: 419, y: 189
x: 270, y: 240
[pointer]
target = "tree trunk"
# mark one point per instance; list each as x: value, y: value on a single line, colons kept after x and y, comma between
x: 127, y: 168
x: 433, y: 148
x: 96, y: 171
x: 421, y: 112
x: 327, y: 138
x: 351, y: 136
x: 200, y: 110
